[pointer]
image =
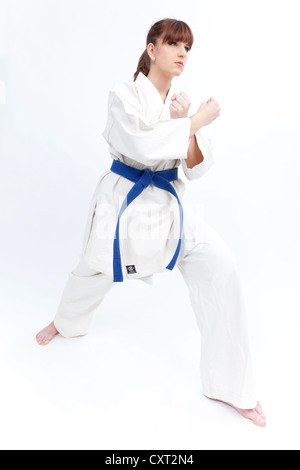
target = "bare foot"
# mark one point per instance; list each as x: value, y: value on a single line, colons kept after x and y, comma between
x: 256, y: 414
x: 46, y: 335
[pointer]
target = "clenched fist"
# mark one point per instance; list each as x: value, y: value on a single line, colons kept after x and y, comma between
x: 209, y: 111
x: 180, y: 105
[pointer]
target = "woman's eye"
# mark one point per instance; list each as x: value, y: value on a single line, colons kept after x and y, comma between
x: 173, y: 42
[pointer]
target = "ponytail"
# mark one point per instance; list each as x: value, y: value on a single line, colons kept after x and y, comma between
x: 143, y: 65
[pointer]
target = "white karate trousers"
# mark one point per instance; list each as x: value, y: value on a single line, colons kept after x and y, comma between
x: 210, y: 272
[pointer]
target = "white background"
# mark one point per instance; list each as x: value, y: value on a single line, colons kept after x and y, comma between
x: 134, y: 382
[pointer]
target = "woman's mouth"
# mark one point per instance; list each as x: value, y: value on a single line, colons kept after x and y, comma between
x: 179, y: 63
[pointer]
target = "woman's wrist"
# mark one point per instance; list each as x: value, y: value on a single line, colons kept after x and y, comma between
x: 197, y: 121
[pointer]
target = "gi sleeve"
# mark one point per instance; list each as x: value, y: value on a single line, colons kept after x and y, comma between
x: 204, y: 144
x: 130, y: 133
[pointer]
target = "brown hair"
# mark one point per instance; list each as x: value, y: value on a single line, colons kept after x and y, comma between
x: 168, y: 30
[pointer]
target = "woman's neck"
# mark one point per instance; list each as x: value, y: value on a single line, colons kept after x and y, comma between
x: 161, y: 83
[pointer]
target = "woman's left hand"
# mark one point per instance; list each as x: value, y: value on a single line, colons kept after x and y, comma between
x: 180, y: 105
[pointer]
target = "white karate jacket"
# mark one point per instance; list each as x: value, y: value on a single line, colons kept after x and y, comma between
x: 141, y: 133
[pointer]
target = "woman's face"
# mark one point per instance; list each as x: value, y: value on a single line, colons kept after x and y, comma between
x: 170, y: 57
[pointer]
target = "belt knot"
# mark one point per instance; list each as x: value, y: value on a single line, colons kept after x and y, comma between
x: 147, y: 177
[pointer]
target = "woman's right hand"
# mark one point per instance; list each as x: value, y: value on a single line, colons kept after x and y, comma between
x: 209, y: 111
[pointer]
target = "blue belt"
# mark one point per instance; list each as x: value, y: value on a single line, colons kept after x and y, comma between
x: 142, y: 179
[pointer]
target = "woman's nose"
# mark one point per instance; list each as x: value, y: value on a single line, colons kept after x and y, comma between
x: 182, y: 51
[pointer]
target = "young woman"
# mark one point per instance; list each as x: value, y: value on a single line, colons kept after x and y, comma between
x: 137, y: 225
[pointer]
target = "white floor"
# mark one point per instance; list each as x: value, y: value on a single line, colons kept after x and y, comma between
x: 133, y: 382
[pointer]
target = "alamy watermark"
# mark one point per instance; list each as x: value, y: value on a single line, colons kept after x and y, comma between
x: 151, y: 221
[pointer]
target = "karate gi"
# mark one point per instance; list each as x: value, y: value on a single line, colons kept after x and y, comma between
x: 141, y: 134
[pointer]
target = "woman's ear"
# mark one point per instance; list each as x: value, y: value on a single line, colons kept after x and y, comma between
x: 150, y: 50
